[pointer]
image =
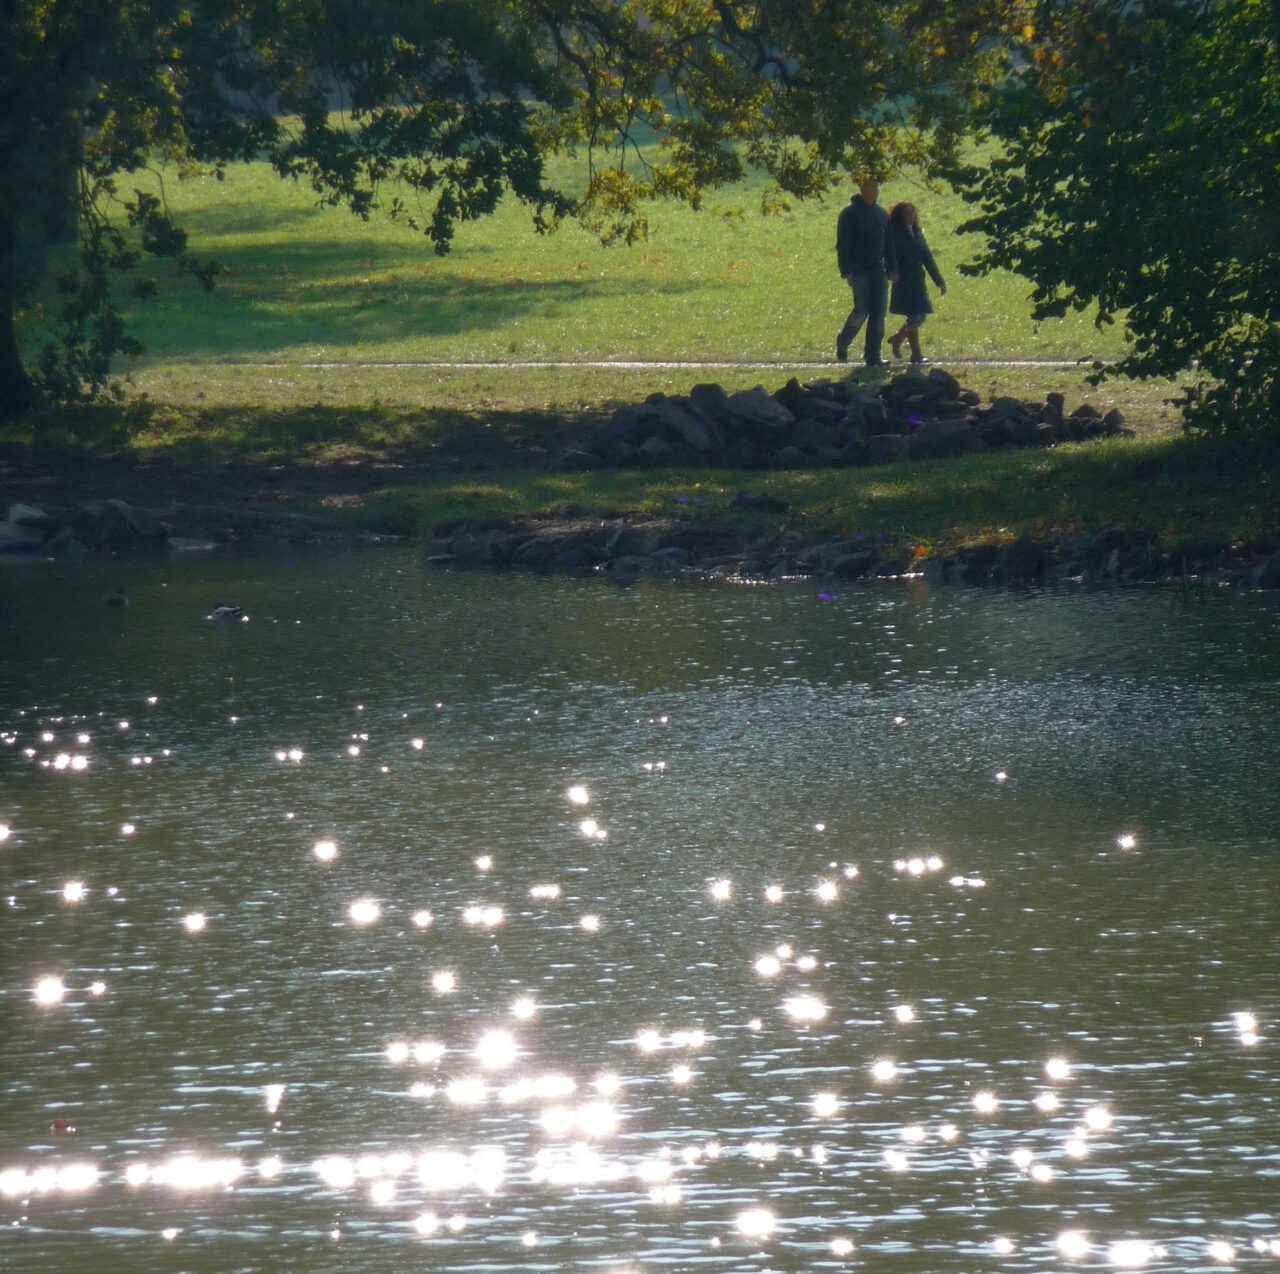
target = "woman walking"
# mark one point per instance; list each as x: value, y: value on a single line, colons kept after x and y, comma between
x: 910, y: 295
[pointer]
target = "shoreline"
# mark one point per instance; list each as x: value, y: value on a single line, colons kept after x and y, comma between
x: 910, y: 476
x: 629, y: 548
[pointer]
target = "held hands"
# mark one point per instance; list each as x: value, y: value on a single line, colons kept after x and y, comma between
x: 893, y: 278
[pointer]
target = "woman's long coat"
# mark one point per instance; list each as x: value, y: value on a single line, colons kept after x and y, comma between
x: 910, y: 296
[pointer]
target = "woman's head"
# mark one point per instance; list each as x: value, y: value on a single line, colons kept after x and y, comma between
x: 904, y: 214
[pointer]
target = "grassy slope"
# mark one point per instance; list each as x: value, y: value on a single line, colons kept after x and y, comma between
x: 403, y: 447
x: 723, y: 283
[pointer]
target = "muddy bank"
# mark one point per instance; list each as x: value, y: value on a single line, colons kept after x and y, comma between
x: 633, y: 548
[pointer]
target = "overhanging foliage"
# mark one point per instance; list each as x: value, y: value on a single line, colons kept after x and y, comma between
x: 432, y: 110
x: 1141, y: 173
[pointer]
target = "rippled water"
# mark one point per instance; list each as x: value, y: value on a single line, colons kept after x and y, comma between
x: 506, y: 923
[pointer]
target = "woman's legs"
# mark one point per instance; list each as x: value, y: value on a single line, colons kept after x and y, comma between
x: 911, y: 330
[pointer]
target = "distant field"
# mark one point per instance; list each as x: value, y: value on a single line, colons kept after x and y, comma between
x: 316, y: 284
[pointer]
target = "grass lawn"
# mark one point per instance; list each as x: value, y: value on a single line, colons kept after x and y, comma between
x: 310, y: 283
x: 378, y: 438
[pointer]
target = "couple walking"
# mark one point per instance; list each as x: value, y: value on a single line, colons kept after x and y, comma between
x: 874, y: 249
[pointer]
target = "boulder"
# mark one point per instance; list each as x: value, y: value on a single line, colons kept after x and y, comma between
x: 850, y: 565
x: 1265, y: 574
x: 629, y: 424
x: 854, y: 452
x: 681, y: 421
x: 791, y: 458
x: 115, y: 524
x: 632, y: 564
x: 889, y: 568
x: 824, y: 411
x: 673, y: 557
x: 946, y: 409
x: 758, y: 413
x: 66, y: 547
x: 655, y: 450
x: 743, y: 453
x: 888, y: 449
x: 15, y: 537
x: 582, y: 551
x: 936, y: 439
x: 538, y: 551
x: 32, y: 515
x: 1005, y: 407
x: 819, y: 554
x: 950, y: 386
x: 811, y: 433
x: 795, y: 398
x: 827, y: 392
x: 1021, y: 430
x: 479, y: 548
x: 1022, y: 561
x: 710, y: 399
x: 624, y: 541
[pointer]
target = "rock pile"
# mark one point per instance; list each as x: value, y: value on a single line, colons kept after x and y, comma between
x: 89, y: 527
x: 627, y: 552
x: 915, y: 415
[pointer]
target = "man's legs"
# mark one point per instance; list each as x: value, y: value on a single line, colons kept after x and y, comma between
x: 857, y: 316
x: 874, y: 303
x: 870, y: 301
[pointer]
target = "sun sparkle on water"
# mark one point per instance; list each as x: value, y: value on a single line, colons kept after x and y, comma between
x: 49, y: 990
x: 594, y: 1130
x: 365, y: 911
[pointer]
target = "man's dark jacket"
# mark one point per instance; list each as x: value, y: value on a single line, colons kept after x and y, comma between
x: 863, y: 240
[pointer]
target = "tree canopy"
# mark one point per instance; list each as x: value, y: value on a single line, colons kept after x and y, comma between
x: 432, y: 110
x: 1137, y: 166
x: 1140, y: 172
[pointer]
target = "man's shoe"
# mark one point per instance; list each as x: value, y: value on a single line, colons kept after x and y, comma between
x: 877, y: 362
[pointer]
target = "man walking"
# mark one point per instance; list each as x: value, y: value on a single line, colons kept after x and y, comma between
x: 865, y: 255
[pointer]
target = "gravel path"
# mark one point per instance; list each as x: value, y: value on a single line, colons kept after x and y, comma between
x: 674, y: 364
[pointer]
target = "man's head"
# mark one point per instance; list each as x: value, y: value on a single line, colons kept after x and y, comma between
x: 869, y: 189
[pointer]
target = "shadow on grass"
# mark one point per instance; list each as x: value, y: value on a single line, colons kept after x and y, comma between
x: 304, y: 295
x: 312, y: 438
x: 400, y: 470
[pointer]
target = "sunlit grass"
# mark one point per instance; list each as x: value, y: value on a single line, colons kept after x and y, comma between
x: 311, y: 353
x: 1153, y: 486
x: 311, y: 283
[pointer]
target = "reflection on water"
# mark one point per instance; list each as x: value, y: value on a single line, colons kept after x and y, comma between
x: 525, y: 924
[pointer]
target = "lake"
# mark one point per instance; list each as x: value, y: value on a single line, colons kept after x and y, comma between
x: 496, y: 923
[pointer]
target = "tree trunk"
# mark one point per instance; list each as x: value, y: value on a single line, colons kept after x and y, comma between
x: 16, y: 392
